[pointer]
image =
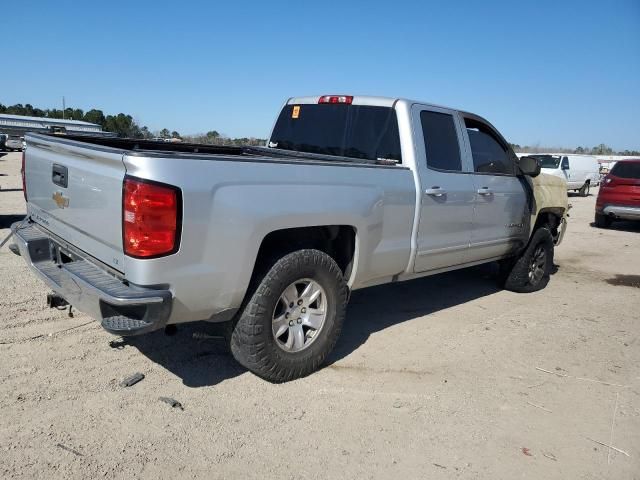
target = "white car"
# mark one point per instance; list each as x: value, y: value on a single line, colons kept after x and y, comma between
x: 581, y: 172
x: 14, y: 143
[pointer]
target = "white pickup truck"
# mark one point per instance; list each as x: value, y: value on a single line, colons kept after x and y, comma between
x: 351, y: 191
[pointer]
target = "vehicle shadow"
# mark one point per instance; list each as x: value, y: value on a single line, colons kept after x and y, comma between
x: 622, y: 226
x: 7, y: 220
x: 199, y: 359
x: 377, y: 308
x: 197, y: 353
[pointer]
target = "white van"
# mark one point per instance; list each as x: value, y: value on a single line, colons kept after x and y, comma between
x: 581, y: 172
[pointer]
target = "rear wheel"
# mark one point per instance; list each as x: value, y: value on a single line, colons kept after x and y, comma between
x: 602, y: 221
x: 584, y: 190
x: 531, y: 271
x: 293, y: 318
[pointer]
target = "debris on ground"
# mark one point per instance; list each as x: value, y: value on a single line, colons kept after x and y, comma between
x: 132, y: 380
x: 526, y: 451
x: 539, y: 406
x: 118, y: 344
x: 581, y: 378
x: 171, y: 401
x: 68, y: 449
x: 609, y: 446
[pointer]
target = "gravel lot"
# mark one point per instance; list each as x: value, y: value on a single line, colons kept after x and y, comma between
x: 434, y: 378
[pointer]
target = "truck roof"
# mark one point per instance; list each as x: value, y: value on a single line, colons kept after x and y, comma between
x: 366, y: 100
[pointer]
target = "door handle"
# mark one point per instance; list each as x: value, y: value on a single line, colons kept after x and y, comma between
x: 485, y: 191
x: 435, y: 191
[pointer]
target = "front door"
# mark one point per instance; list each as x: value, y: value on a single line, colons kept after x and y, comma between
x: 501, y: 216
x: 448, y: 194
x: 569, y: 174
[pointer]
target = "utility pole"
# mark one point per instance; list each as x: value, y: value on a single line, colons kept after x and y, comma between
x: 63, y: 107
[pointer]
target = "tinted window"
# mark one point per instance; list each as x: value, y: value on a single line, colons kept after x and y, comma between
x: 440, y: 141
x: 626, y: 169
x: 489, y: 153
x: 357, y: 131
x: 548, y: 161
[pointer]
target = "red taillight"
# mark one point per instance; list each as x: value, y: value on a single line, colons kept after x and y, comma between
x: 22, y: 173
x: 347, y: 99
x: 150, y: 218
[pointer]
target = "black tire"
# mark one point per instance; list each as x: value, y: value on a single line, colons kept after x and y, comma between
x: 521, y: 277
x: 584, y: 190
x: 253, y: 343
x: 602, y: 221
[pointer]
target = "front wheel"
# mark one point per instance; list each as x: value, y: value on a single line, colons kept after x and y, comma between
x: 293, y: 318
x: 531, y: 271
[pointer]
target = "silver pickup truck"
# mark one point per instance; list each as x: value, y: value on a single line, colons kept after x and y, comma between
x: 351, y: 191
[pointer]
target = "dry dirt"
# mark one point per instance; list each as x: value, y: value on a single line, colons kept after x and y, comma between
x: 434, y: 378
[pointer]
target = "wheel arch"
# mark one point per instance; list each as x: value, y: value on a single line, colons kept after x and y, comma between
x: 551, y: 218
x: 340, y: 242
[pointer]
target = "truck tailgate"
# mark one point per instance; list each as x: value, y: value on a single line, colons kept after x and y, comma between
x: 75, y: 191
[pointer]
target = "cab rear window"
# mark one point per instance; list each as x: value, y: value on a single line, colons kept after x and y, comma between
x: 355, y: 131
x: 624, y: 169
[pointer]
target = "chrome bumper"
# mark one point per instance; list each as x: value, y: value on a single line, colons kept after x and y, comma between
x: 624, y: 213
x: 122, y: 308
x: 561, y: 230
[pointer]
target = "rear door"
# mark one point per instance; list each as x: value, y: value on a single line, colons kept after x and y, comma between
x: 623, y: 186
x: 501, y: 214
x: 446, y: 212
x: 74, y: 189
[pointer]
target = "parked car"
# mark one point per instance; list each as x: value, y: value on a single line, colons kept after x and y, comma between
x: 351, y: 192
x: 3, y: 141
x: 14, y: 142
x: 619, y: 195
x: 581, y: 172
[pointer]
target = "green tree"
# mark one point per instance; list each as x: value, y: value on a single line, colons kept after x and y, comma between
x: 94, y: 116
x: 123, y: 125
x: 146, y: 134
x: 602, y: 149
x: 164, y: 133
x: 54, y: 113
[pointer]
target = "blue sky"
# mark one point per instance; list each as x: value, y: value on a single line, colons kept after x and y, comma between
x: 556, y: 73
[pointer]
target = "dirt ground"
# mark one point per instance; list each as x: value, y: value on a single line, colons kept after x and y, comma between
x: 442, y: 377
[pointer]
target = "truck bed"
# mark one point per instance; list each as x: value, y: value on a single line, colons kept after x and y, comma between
x: 151, y: 147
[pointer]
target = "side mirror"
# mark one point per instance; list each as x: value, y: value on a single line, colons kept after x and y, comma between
x: 565, y: 163
x: 529, y: 166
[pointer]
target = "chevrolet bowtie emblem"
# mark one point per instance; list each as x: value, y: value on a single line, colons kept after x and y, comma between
x: 60, y: 200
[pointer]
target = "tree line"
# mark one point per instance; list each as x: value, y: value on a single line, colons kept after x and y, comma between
x: 125, y: 126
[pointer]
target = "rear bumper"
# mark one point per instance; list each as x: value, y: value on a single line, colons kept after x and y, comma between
x: 122, y: 308
x: 622, y: 212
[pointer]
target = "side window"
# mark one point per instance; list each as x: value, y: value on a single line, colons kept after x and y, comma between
x: 489, y: 153
x: 440, y: 141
